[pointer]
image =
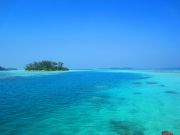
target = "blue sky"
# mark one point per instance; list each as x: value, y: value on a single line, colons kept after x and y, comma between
x: 91, y: 33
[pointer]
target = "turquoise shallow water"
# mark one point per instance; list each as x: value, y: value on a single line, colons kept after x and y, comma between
x: 99, y: 102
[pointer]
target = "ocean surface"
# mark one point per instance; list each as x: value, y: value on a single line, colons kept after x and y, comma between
x: 90, y: 102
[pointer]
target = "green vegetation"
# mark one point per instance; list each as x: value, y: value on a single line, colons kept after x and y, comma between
x: 46, y: 65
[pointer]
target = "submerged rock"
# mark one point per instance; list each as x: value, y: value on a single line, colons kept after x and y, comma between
x: 162, y: 85
x: 145, y: 77
x: 152, y: 83
x: 171, y: 92
x: 138, y: 133
x: 122, y: 101
x: 137, y: 83
x: 126, y: 128
x: 167, y: 133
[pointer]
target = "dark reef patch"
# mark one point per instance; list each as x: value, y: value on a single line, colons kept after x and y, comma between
x: 126, y: 128
x: 152, y: 83
x: 162, y: 85
x: 170, y: 92
x: 138, y: 133
x: 122, y: 101
x: 145, y: 77
x: 137, y: 83
x: 167, y: 133
x: 122, y: 98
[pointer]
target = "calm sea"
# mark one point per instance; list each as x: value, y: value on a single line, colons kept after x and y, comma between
x: 97, y: 102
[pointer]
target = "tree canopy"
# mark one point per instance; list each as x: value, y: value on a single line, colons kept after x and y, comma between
x: 46, y: 65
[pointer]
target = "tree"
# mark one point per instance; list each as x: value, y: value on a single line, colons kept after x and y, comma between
x: 45, y: 65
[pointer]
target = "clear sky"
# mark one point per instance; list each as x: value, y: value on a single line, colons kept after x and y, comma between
x: 91, y: 33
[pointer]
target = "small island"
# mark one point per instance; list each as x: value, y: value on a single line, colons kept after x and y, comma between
x: 6, y: 69
x: 46, y: 65
x: 2, y: 68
